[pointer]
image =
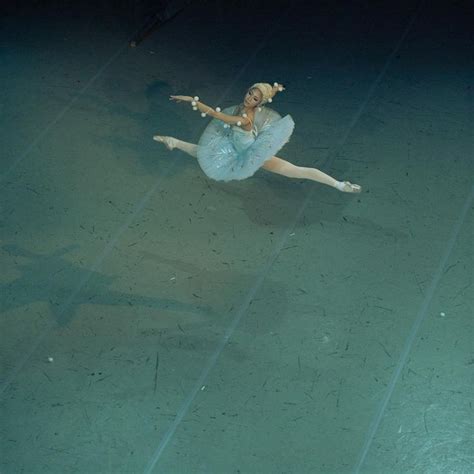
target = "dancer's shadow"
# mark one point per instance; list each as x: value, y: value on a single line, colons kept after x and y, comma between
x: 65, y: 286
x: 271, y: 200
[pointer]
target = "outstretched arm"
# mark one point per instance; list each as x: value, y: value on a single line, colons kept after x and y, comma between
x: 229, y: 119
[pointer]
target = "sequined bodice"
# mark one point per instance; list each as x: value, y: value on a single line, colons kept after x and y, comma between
x: 242, y: 139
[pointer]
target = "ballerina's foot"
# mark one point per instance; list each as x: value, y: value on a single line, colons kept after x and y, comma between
x: 347, y: 187
x: 169, y: 142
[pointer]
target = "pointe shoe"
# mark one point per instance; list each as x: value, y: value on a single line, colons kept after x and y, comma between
x: 347, y: 187
x: 169, y: 142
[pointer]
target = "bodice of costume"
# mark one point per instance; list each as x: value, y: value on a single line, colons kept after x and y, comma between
x: 242, y: 139
x: 229, y: 152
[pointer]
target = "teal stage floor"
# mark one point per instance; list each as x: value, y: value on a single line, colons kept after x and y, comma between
x: 156, y: 321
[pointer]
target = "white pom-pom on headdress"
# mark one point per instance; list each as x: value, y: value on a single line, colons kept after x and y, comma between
x: 278, y: 86
x: 267, y: 90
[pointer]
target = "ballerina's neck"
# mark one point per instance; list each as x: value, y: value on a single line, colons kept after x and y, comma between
x: 247, y: 110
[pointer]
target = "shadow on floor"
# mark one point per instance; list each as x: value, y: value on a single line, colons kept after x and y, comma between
x: 65, y: 286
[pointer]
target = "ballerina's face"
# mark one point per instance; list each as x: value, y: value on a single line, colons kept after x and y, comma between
x: 253, y: 98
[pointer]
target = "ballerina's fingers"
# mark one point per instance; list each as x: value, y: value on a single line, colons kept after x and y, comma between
x: 181, y: 98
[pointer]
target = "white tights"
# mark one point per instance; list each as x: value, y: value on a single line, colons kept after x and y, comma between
x: 189, y: 148
x: 285, y: 168
x: 274, y: 164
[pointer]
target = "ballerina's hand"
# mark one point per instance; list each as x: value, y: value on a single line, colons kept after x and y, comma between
x: 181, y: 98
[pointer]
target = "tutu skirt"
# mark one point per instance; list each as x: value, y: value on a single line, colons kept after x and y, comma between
x: 226, y: 154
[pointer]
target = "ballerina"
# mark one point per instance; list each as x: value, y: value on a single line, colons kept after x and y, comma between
x: 243, y: 138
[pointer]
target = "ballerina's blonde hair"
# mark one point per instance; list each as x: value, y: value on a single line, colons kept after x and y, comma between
x: 268, y: 91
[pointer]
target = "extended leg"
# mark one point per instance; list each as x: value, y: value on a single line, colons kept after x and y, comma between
x: 172, y: 143
x: 285, y: 168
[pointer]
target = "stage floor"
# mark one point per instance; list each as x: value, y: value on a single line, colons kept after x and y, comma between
x: 154, y: 320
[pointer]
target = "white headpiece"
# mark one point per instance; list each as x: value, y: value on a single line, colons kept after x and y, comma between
x: 267, y: 90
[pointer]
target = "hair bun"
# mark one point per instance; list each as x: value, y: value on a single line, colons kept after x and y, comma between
x: 266, y: 90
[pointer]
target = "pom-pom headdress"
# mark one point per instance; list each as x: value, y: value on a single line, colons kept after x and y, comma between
x: 267, y: 90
